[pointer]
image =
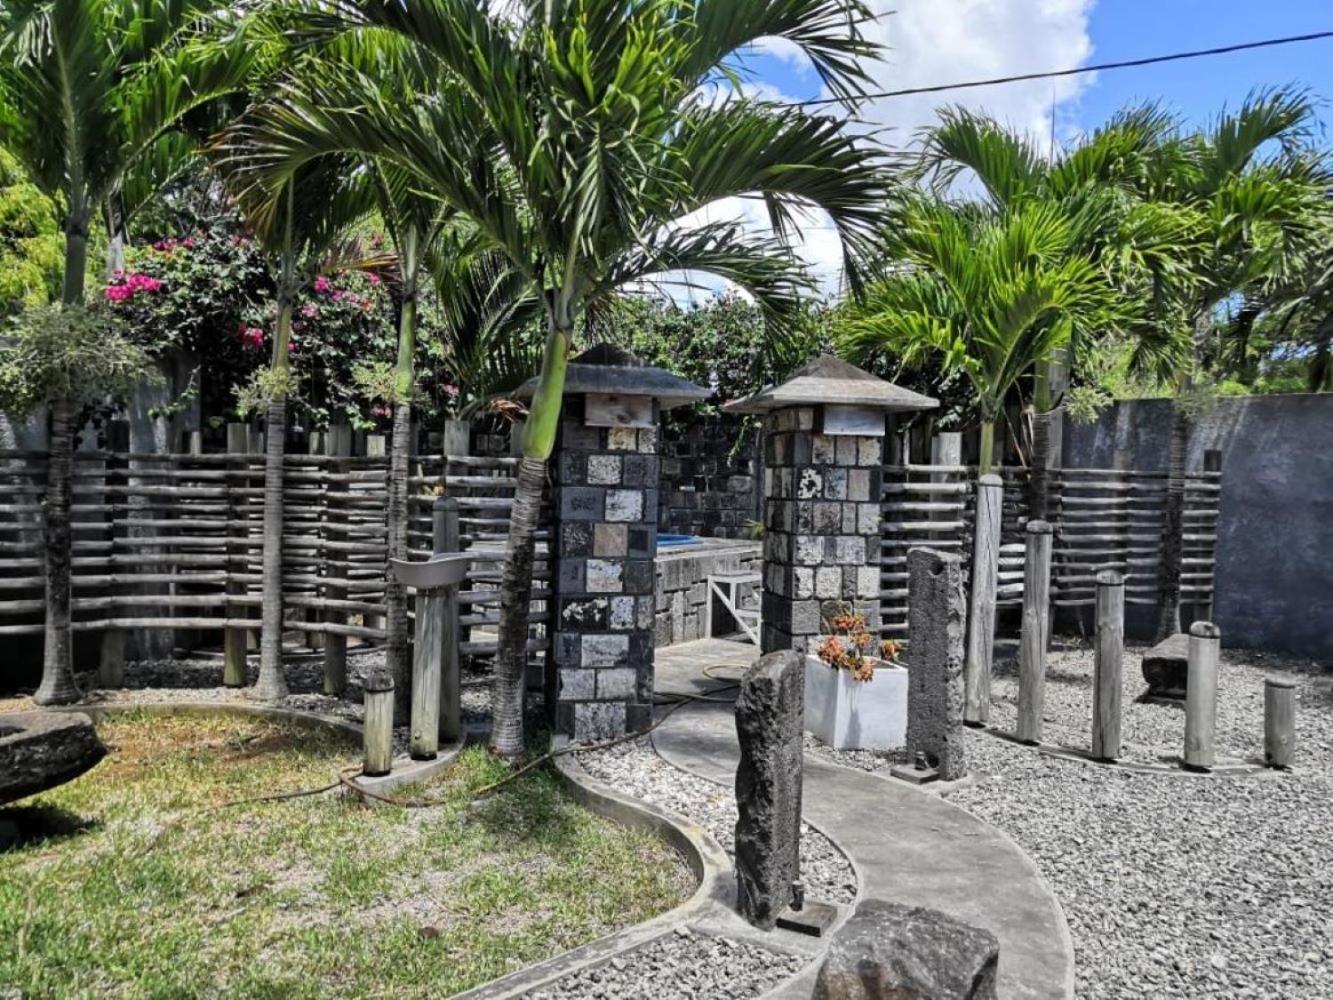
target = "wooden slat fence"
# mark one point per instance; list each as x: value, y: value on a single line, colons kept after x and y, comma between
x: 174, y: 541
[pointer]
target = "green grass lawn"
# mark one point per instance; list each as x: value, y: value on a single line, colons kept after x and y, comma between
x: 125, y: 884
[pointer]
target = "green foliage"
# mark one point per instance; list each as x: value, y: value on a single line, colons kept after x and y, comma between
x: 265, y: 385
x: 73, y: 353
x: 32, y: 248
x: 723, y: 344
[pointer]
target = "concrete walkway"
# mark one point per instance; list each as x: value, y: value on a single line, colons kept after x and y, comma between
x: 908, y: 846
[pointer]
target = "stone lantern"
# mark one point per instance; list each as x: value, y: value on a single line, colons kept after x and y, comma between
x: 824, y: 434
x: 604, y: 541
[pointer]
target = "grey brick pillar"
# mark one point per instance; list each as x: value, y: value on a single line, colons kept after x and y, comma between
x: 821, y: 527
x: 605, y: 542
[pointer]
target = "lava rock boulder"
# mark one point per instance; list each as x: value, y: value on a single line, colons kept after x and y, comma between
x: 39, y: 750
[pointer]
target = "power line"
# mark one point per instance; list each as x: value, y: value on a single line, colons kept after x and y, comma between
x: 1051, y: 74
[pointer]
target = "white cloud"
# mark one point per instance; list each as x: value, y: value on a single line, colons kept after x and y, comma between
x: 931, y: 42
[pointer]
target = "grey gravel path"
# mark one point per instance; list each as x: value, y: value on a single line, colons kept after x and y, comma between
x: 634, y: 768
x: 1177, y: 887
x: 681, y: 965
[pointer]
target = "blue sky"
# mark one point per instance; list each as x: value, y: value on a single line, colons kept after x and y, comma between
x: 931, y: 42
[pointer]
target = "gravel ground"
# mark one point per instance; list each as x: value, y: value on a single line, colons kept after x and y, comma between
x: 1176, y: 886
x: 634, y: 768
x: 682, y: 965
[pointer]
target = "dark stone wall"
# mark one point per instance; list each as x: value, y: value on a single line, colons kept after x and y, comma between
x: 711, y: 476
x: 1274, y: 578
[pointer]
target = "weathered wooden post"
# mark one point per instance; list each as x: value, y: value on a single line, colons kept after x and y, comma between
x: 111, y: 667
x: 981, y: 605
x: 1279, y: 722
x: 433, y: 581
x: 314, y: 640
x: 337, y: 566
x: 1032, y: 642
x: 1201, y: 696
x: 1110, y: 655
x: 446, y: 537
x: 234, y: 639
x: 377, y: 727
x: 376, y: 447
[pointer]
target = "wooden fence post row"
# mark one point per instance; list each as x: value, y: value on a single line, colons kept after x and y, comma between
x: 1035, y: 633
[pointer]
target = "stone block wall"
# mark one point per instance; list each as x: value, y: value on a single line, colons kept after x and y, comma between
x: 605, y: 501
x: 682, y: 587
x: 710, y: 477
x: 822, y: 527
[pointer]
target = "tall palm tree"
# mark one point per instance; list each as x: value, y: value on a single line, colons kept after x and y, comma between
x: 87, y: 89
x: 988, y: 295
x: 305, y: 233
x: 577, y: 137
x: 1257, y: 213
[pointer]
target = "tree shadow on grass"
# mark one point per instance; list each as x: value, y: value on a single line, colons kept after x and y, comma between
x: 29, y: 826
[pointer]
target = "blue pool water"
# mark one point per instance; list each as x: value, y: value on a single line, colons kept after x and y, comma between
x: 669, y: 541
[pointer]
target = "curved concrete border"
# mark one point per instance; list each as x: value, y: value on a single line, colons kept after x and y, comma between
x: 702, y: 853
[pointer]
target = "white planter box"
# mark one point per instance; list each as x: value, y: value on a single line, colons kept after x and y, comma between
x: 856, y: 715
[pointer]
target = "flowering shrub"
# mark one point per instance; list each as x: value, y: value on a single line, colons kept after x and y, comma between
x: 850, y: 647
x: 122, y: 288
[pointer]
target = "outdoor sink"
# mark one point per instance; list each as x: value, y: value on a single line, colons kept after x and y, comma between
x: 446, y: 570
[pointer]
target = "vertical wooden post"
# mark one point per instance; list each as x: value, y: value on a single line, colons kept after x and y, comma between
x: 376, y: 448
x: 337, y: 444
x: 1212, y: 462
x: 1279, y: 722
x: 255, y: 530
x: 981, y: 605
x: 111, y: 666
x: 446, y: 539
x: 427, y: 653
x: 1032, y: 642
x: 234, y: 639
x: 1108, y: 686
x: 377, y: 727
x: 1201, y: 696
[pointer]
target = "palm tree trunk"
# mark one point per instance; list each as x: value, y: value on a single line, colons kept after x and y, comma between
x: 58, y: 686
x: 1168, y: 570
x: 272, y: 684
x: 516, y: 585
x: 396, y: 651
x: 986, y: 460
x: 395, y: 594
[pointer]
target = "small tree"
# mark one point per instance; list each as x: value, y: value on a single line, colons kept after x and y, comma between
x: 68, y: 359
x: 988, y: 296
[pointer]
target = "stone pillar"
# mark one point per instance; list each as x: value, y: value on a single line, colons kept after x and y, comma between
x: 821, y: 524
x: 935, y: 661
x: 770, y: 717
x: 605, y: 540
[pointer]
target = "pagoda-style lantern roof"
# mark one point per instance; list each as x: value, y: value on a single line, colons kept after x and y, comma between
x: 830, y: 381
x: 606, y: 370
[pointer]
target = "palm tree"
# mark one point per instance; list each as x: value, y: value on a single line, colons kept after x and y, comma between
x: 304, y: 234
x: 987, y: 294
x: 1094, y: 184
x: 87, y: 89
x: 1257, y: 214
x: 577, y: 138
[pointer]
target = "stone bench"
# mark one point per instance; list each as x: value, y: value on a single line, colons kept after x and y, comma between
x: 1166, y: 668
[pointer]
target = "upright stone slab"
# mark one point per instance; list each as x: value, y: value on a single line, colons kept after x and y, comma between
x: 823, y: 480
x: 770, y: 718
x: 604, y: 539
x: 935, y: 695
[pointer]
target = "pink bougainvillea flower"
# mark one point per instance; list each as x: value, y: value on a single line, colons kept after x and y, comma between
x: 118, y: 293
x: 374, y: 279
x: 380, y: 411
x: 321, y: 284
x: 252, y: 336
x: 310, y: 310
x: 338, y: 295
x: 451, y: 391
x: 188, y: 243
